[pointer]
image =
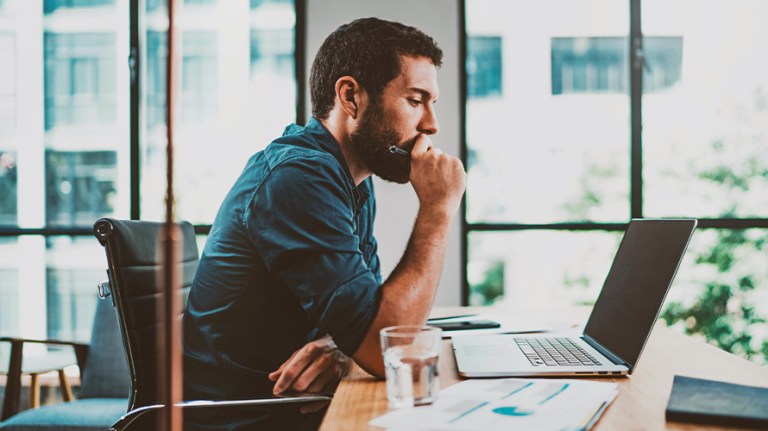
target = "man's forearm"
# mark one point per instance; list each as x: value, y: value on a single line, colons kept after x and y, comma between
x: 409, y: 292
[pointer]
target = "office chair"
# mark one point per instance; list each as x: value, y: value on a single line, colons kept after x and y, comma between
x: 134, y: 260
x: 104, y: 377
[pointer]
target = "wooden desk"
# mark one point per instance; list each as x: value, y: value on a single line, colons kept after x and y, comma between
x: 639, y: 406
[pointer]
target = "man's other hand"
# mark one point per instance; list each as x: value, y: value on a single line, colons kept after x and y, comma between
x: 316, y: 367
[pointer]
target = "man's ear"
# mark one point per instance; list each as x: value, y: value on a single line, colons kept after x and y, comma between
x: 348, y: 95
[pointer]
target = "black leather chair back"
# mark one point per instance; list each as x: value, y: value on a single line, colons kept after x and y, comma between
x: 134, y: 255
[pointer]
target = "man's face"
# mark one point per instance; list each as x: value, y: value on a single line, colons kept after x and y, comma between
x: 402, y: 112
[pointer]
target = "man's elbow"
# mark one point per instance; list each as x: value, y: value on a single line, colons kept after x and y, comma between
x: 369, y: 358
x: 376, y: 370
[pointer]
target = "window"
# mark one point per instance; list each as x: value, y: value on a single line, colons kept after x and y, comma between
x: 600, y: 64
x: 8, y: 184
x: 69, y: 300
x: 549, y: 192
x: 272, y: 50
x: 484, y: 70
x: 7, y: 81
x: 589, y: 65
x: 237, y: 95
x: 70, y: 162
x: 80, y: 186
x: 155, y: 83
x: 51, y: 5
x: 199, y: 76
x: 80, y: 87
x: 9, y: 288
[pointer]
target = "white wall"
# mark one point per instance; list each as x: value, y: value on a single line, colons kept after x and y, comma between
x: 397, y: 204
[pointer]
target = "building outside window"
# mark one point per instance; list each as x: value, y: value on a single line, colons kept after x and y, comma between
x: 50, y: 6
x: 484, y: 68
x: 80, y: 87
x: 601, y: 64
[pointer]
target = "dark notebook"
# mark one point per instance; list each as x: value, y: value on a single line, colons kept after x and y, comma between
x: 717, y: 403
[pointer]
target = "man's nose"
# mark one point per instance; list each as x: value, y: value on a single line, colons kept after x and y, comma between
x: 429, y: 125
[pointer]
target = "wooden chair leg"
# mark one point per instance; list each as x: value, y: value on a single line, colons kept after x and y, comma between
x: 34, y: 391
x: 13, y: 383
x: 66, y: 390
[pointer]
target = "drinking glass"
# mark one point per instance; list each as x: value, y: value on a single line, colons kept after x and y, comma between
x: 410, y: 359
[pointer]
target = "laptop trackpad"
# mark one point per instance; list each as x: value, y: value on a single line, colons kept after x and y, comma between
x: 493, y: 350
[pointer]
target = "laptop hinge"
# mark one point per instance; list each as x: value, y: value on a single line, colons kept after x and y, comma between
x: 605, y: 352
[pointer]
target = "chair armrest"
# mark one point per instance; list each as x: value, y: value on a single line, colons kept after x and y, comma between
x: 124, y: 423
x: 81, y: 349
x: 12, y: 394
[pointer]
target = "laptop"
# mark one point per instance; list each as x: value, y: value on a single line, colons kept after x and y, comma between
x: 618, y: 327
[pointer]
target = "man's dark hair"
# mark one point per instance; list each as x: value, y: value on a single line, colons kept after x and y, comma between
x: 369, y: 50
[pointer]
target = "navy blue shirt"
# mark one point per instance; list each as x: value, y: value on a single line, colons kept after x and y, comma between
x: 290, y: 257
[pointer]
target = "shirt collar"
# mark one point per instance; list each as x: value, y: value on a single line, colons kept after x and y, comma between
x: 328, y: 143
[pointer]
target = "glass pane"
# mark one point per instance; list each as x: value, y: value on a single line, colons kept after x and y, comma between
x: 64, y: 135
x: 59, y: 276
x: 237, y: 93
x: 85, y: 158
x: 539, y: 268
x: 9, y: 288
x: 8, y: 188
x: 721, y: 291
x: 705, y: 111
x: 547, y: 111
x: 75, y: 265
x: 7, y: 81
x: 8, y: 123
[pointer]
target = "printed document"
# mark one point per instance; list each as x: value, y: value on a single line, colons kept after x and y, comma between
x: 508, y: 404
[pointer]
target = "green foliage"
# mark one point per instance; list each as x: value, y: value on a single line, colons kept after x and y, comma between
x: 723, y: 313
x: 491, y: 287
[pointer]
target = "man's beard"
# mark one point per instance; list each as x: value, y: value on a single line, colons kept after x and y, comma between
x: 372, y: 140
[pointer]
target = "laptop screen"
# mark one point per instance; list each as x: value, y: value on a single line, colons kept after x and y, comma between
x: 637, y: 283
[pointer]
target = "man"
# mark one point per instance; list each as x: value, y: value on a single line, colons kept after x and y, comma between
x: 289, y: 285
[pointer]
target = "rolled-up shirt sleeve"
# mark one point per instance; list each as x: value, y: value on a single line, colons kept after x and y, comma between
x: 302, y: 219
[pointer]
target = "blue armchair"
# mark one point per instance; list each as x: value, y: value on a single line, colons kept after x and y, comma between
x: 105, y: 383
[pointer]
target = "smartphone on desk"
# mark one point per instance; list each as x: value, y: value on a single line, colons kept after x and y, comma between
x: 465, y: 324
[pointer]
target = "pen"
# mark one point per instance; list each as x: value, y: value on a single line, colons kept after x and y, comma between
x: 399, y: 151
x: 435, y: 319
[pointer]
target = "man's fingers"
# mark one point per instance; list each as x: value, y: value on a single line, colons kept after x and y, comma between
x: 322, y: 382
x: 321, y: 370
x: 422, y: 145
x: 273, y: 376
x: 294, y: 369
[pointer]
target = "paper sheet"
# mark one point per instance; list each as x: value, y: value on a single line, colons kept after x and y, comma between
x: 508, y: 404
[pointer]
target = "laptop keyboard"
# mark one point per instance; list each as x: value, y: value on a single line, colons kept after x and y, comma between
x: 555, y: 352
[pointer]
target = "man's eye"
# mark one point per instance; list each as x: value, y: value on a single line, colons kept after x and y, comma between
x: 414, y: 102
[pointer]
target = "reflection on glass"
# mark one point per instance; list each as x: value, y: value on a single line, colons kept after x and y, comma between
x: 552, y: 144
x: 705, y: 137
x: 721, y: 291
x: 539, y: 268
x: 237, y: 93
